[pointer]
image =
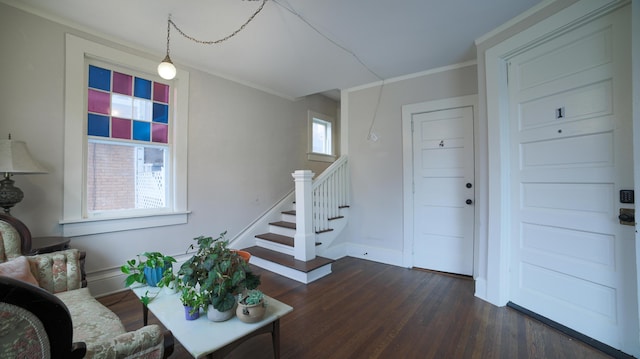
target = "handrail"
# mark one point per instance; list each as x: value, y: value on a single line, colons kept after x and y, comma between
x: 318, y: 201
x: 330, y: 193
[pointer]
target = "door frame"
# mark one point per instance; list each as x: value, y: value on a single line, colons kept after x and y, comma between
x: 407, y: 167
x: 496, y: 276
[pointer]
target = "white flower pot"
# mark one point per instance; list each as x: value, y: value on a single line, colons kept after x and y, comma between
x: 217, y: 316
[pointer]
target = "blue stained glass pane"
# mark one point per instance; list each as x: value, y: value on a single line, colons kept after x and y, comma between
x: 99, y: 78
x: 98, y: 125
x: 142, y: 88
x: 160, y: 113
x: 141, y: 131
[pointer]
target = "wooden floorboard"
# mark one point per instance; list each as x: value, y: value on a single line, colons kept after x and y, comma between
x: 371, y: 310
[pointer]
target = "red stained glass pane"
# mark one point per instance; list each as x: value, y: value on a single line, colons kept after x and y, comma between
x: 122, y: 83
x: 160, y: 133
x: 121, y: 128
x: 160, y: 92
x: 99, y: 102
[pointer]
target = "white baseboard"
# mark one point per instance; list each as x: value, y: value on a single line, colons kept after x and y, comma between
x: 381, y: 255
x: 481, y: 288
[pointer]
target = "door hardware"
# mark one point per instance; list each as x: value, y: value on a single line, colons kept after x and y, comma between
x: 627, y: 216
x: 469, y: 185
x: 469, y: 201
x: 626, y: 196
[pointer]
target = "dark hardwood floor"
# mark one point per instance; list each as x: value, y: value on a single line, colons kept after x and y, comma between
x: 371, y: 310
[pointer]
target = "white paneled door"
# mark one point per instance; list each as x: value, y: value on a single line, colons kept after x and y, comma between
x: 443, y: 199
x: 571, y: 259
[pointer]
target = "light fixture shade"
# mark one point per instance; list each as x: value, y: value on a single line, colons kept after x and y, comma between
x: 15, y: 158
x: 166, y: 69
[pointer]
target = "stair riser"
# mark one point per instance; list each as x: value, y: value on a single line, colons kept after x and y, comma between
x: 288, y: 217
x: 292, y: 273
x: 274, y: 246
x: 282, y: 231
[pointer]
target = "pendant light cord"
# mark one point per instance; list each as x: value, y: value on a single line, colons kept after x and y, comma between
x: 213, y: 42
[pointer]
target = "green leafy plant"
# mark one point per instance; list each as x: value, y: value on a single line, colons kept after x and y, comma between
x: 135, y: 268
x: 191, y: 297
x: 252, y: 297
x: 218, y: 271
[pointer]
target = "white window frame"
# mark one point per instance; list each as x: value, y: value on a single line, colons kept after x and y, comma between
x: 314, y: 156
x: 75, y: 221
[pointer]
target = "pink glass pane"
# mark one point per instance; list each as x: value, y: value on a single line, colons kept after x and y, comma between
x: 122, y: 83
x: 160, y: 92
x: 160, y: 133
x: 121, y: 128
x: 98, y: 102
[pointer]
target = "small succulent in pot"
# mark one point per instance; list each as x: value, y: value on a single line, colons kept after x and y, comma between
x: 252, y: 297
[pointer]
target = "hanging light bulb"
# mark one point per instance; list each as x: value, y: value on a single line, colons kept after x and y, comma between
x: 166, y: 69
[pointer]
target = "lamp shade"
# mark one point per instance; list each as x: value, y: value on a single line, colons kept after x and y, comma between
x: 166, y: 69
x: 15, y: 158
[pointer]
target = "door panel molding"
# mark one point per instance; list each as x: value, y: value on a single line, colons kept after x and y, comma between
x: 408, y: 170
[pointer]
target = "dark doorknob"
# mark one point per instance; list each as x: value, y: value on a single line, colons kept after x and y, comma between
x: 469, y: 185
x: 469, y: 201
x: 625, y: 217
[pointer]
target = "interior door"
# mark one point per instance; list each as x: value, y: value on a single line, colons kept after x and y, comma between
x: 443, y: 190
x: 572, y: 260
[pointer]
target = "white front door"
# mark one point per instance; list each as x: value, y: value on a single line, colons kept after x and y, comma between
x: 443, y: 199
x: 570, y: 132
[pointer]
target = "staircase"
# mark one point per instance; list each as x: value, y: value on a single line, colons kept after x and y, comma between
x: 289, y: 247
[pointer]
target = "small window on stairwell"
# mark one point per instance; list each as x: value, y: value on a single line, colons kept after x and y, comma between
x: 320, y: 137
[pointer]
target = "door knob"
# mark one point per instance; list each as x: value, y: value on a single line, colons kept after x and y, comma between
x: 626, y: 217
x: 469, y: 185
x: 469, y: 201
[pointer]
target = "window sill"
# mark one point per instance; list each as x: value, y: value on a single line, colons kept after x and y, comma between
x: 83, y: 227
x: 320, y: 157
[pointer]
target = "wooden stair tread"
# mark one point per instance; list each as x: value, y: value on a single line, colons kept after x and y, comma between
x: 292, y: 212
x: 288, y: 260
x: 276, y: 238
x: 284, y: 224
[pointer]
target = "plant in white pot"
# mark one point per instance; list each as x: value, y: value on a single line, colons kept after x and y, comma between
x: 220, y: 273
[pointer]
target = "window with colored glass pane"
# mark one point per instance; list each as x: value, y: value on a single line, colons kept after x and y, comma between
x: 127, y: 141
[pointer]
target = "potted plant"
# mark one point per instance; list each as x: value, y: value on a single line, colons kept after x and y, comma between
x: 148, y: 270
x: 251, y: 306
x: 192, y: 300
x: 219, y: 273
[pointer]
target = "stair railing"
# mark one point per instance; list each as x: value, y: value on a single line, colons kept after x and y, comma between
x: 330, y: 193
x: 318, y: 201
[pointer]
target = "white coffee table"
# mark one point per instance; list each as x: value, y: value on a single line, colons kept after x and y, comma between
x: 204, y: 338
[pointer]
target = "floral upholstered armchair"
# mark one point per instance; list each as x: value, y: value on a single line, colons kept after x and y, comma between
x: 62, y: 274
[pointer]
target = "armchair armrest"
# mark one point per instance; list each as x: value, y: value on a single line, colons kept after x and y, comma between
x: 59, y: 271
x: 147, y: 342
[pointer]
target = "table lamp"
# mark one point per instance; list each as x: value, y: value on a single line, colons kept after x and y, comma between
x: 14, y: 159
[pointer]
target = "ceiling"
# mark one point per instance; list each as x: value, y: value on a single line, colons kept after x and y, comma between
x: 295, y: 47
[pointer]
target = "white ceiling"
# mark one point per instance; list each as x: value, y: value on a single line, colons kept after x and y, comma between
x: 350, y: 42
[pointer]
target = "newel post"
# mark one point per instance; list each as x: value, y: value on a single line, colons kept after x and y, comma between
x: 304, y: 240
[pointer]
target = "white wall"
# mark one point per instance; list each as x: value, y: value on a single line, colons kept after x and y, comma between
x: 375, y: 228
x: 243, y: 146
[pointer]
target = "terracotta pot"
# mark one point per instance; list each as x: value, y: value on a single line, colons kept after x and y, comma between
x: 244, y: 254
x: 251, y: 313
